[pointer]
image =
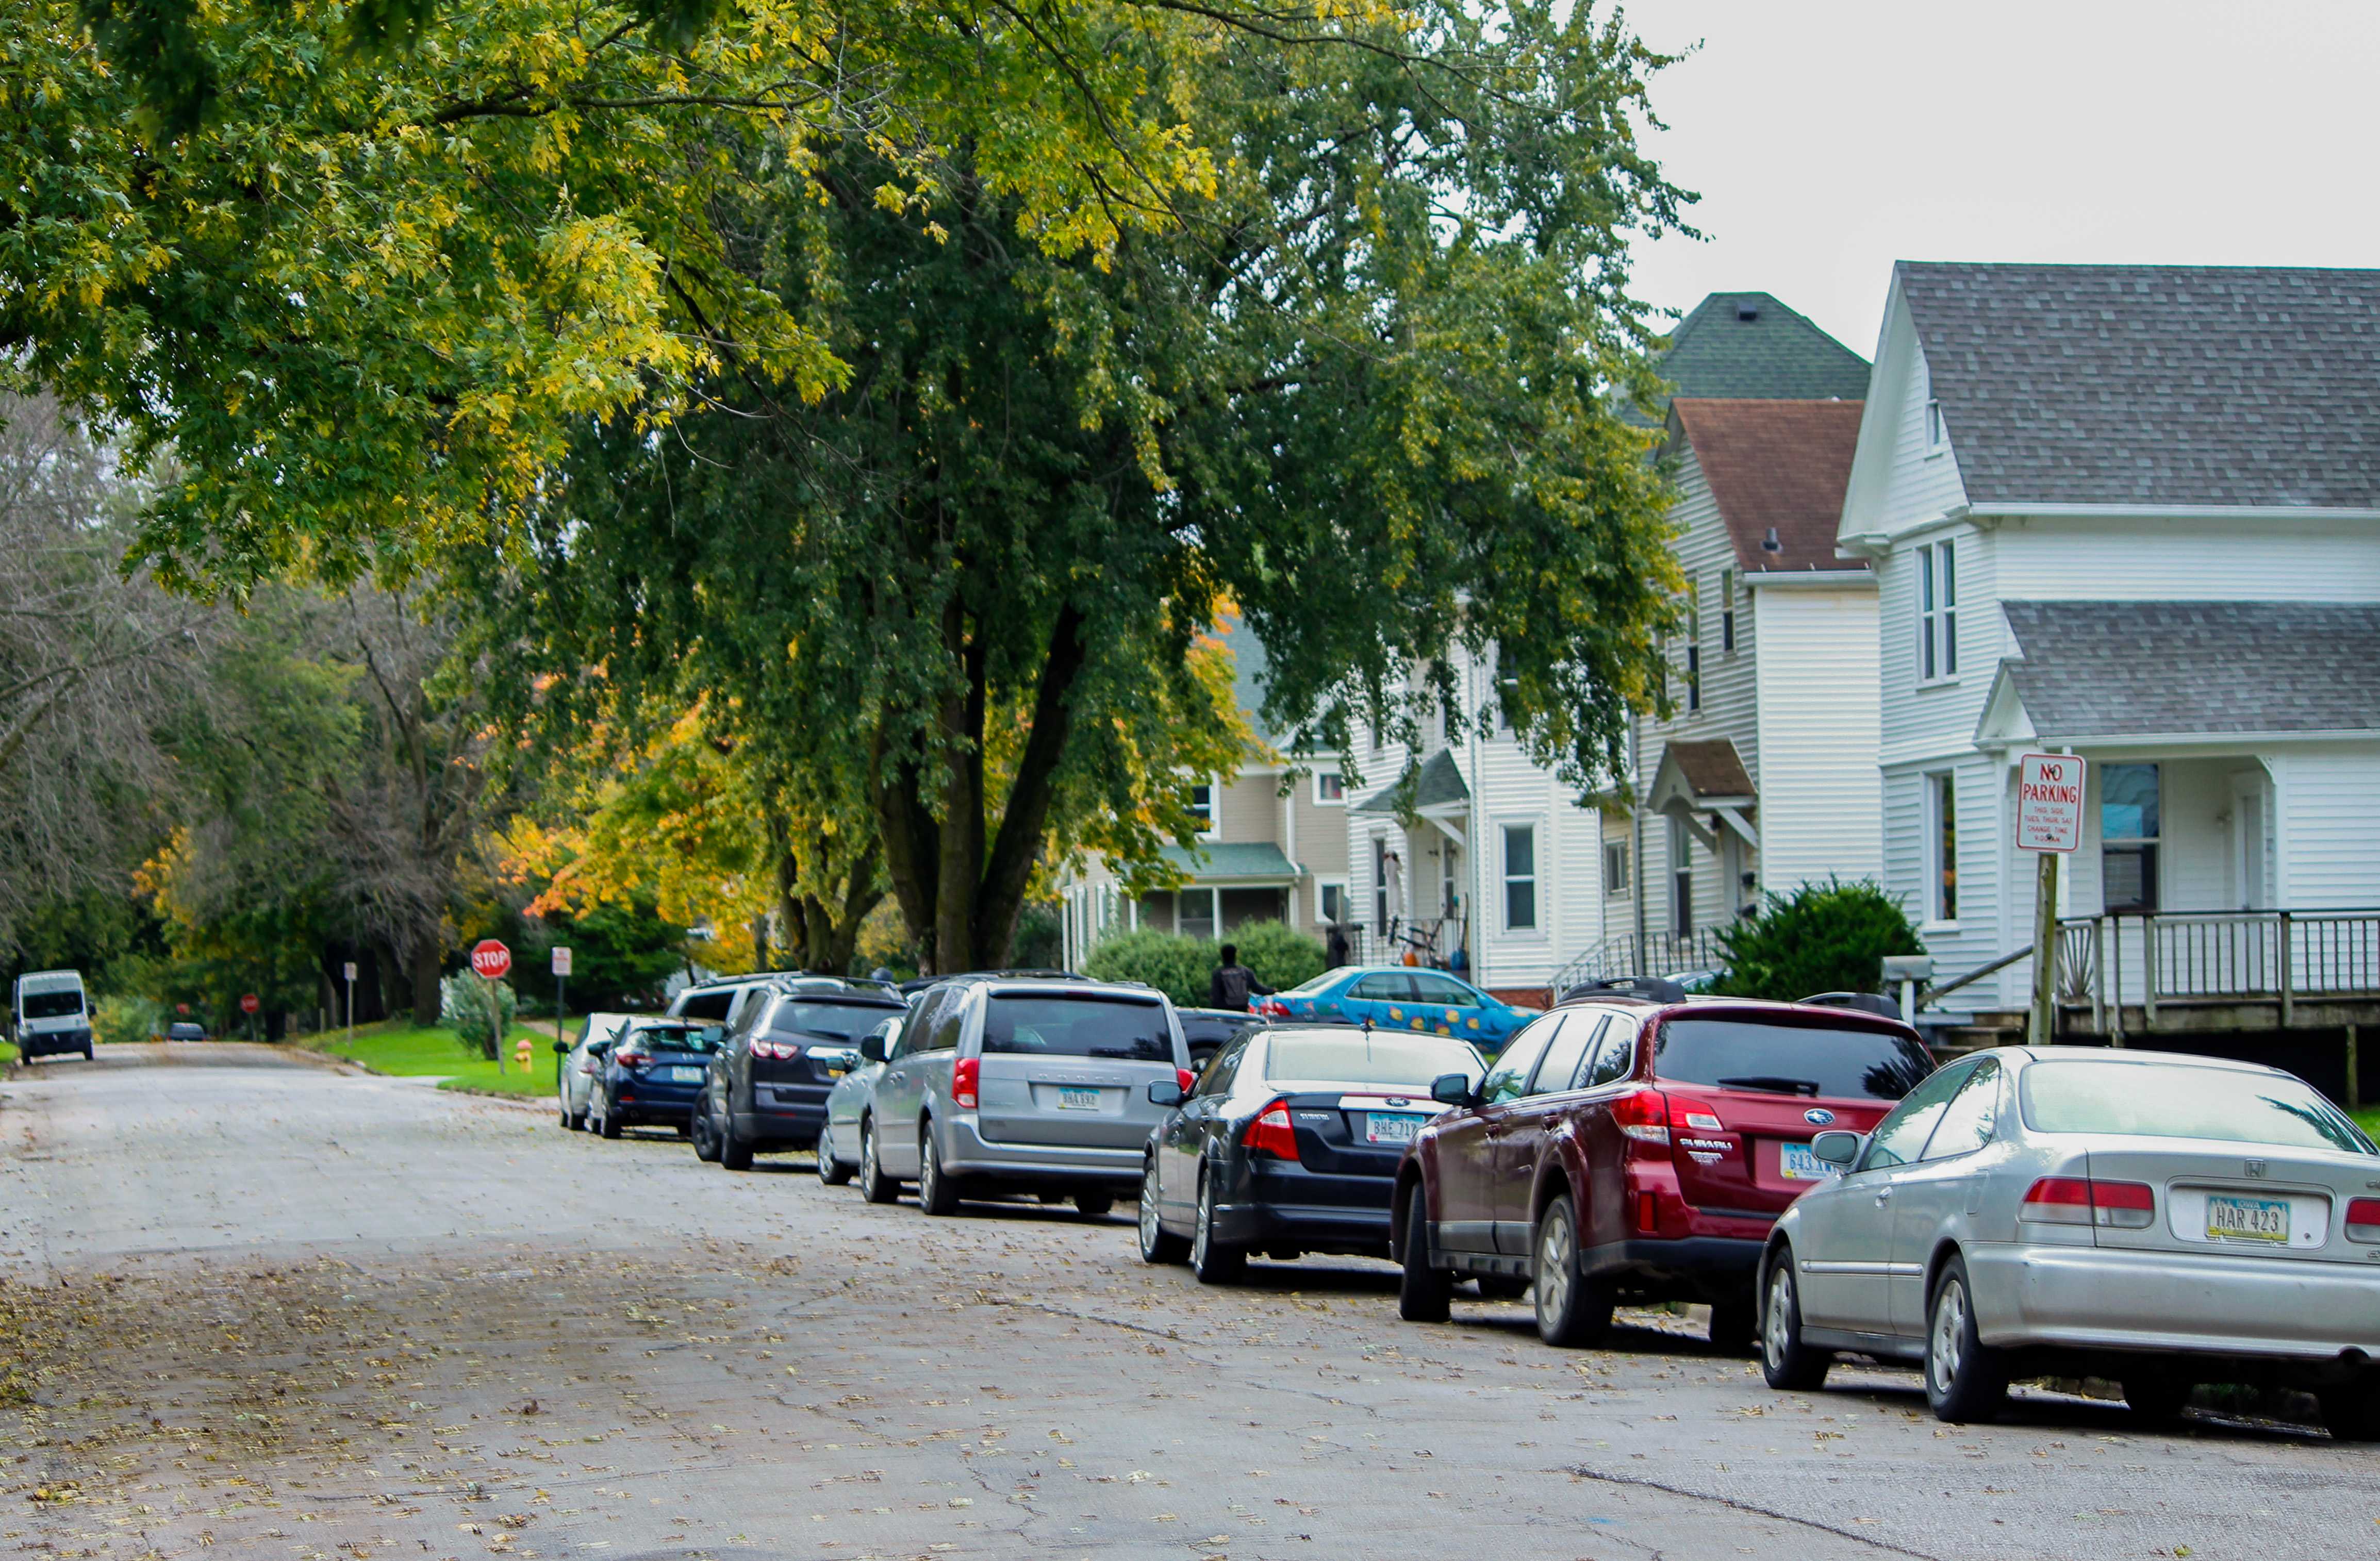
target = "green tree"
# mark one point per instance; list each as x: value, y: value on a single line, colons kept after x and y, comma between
x: 1830, y: 937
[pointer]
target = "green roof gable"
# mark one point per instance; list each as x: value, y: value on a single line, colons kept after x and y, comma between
x: 1739, y: 346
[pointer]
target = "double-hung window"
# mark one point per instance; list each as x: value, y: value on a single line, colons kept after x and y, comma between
x: 1202, y: 806
x: 1330, y: 788
x: 2129, y: 826
x: 1727, y: 612
x: 1695, y: 646
x: 1937, y: 611
x: 1615, y: 867
x: 1942, y: 847
x: 1520, y: 878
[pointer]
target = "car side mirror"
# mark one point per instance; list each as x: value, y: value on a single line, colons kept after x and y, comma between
x: 871, y: 1047
x: 1165, y: 1092
x: 1450, y: 1089
x: 561, y: 1048
x: 1839, y: 1147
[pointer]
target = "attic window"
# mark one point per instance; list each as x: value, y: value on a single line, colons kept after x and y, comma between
x: 1934, y: 439
x: 1747, y: 312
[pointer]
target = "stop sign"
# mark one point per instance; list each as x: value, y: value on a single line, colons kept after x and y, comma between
x: 491, y: 959
x: 250, y: 1004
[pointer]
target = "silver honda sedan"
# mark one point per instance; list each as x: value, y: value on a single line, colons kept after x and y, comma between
x: 2155, y: 1219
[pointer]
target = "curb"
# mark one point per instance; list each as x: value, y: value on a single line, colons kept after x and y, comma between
x: 446, y: 1086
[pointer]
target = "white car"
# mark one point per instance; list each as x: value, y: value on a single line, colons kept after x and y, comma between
x: 582, y: 1065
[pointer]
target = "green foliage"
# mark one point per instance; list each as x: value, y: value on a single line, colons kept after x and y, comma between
x: 1281, y: 956
x: 1826, y: 937
x: 120, y: 1021
x: 1177, y: 966
x: 463, y: 1007
x: 1040, y: 940
x: 617, y: 951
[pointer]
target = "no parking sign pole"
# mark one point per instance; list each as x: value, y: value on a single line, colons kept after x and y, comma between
x: 351, y: 1004
x: 2049, y: 824
x: 561, y: 1007
x: 492, y: 961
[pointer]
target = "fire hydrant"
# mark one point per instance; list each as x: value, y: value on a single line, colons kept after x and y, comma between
x: 520, y: 1054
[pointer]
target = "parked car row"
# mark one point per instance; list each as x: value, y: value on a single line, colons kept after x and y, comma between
x: 1805, y: 1170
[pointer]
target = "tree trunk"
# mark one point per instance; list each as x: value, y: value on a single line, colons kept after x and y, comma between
x: 425, y: 979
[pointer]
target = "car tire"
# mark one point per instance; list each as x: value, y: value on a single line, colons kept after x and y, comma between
x: 1574, y: 1309
x: 2350, y: 1411
x: 1789, y: 1364
x: 1215, y: 1262
x: 1734, y: 1326
x: 611, y: 1122
x: 1157, y: 1243
x: 1425, y: 1294
x: 938, y: 1192
x: 566, y: 1124
x: 705, y: 1133
x: 1501, y: 1287
x: 2157, y: 1398
x: 831, y: 1171
x: 874, y: 1185
x: 87, y: 1055
x: 1094, y: 1205
x: 1966, y: 1380
x: 734, y: 1153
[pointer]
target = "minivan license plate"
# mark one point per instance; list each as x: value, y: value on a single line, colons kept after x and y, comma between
x: 1795, y: 1162
x: 2248, y: 1219
x: 1072, y: 1099
x: 1388, y: 1127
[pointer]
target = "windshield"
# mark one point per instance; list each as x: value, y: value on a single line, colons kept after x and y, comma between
x: 842, y: 1021
x: 1068, y: 1026
x: 2228, y: 1104
x: 53, y: 1005
x: 673, y: 1038
x: 1371, y: 1057
x: 1307, y: 988
x: 1802, y: 1060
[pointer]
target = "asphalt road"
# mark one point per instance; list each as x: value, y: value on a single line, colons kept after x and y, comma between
x: 267, y: 1307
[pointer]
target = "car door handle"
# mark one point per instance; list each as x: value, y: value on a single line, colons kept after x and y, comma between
x: 1883, y: 1197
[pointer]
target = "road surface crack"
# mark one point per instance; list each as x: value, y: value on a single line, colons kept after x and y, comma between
x: 1584, y: 1472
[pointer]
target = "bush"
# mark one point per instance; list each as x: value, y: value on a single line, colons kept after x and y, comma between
x: 1830, y: 937
x: 1040, y: 942
x: 116, y: 1020
x: 1176, y: 966
x: 463, y: 1008
x: 1281, y: 956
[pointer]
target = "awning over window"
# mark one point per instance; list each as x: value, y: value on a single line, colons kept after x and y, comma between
x: 1232, y: 864
x: 1704, y: 777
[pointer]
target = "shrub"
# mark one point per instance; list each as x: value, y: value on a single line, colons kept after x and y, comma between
x: 1830, y: 937
x: 1040, y: 942
x: 463, y: 1008
x: 1176, y: 966
x: 1281, y: 956
x: 116, y: 1020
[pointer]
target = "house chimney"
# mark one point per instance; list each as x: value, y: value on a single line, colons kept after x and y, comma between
x: 1769, y: 544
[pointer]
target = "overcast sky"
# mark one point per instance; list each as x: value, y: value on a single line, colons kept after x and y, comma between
x: 1830, y: 138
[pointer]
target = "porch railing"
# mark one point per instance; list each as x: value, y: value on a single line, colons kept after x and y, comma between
x: 2278, y: 956
x: 1657, y: 953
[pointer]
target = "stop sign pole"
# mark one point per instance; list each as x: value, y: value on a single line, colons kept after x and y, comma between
x: 2049, y: 824
x: 491, y: 961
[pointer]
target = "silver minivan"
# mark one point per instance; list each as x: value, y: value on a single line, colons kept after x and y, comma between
x: 1006, y: 1084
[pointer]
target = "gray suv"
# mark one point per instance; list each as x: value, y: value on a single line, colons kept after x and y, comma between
x: 1020, y: 1084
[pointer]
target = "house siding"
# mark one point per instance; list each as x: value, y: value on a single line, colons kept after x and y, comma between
x: 2326, y: 848
x: 1821, y: 794
x: 2186, y: 560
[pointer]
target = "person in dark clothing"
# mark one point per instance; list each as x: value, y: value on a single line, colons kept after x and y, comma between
x: 1335, y: 952
x: 1233, y: 983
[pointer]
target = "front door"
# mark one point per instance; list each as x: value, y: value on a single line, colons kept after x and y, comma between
x: 1522, y: 1146
x: 1944, y: 1183
x: 1467, y: 1144
x: 1845, y: 1245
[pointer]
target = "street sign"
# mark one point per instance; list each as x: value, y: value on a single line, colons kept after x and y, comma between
x: 250, y: 1003
x: 351, y: 970
x: 561, y: 960
x: 491, y: 959
x: 2049, y: 803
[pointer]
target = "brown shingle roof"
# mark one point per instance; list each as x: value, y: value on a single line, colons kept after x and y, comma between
x: 1712, y: 768
x: 1780, y: 463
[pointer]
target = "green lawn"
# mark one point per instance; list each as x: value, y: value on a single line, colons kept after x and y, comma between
x: 2369, y: 1121
x: 397, y: 1047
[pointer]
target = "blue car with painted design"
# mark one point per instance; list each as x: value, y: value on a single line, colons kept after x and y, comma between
x: 1400, y: 997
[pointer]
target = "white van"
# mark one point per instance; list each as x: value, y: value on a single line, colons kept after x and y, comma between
x: 51, y: 1014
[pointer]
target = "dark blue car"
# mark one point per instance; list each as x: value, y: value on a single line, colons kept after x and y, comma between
x: 1400, y: 997
x: 653, y: 1075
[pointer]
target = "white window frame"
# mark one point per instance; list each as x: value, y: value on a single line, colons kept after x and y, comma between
x: 1214, y: 808
x: 1936, y: 606
x: 1727, y: 612
x: 1322, y: 888
x: 1693, y: 648
x: 1534, y: 878
x: 1338, y: 801
x: 1937, y: 436
x: 1616, y: 852
x: 1933, y: 781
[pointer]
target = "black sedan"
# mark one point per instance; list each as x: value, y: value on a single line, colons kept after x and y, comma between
x: 1289, y: 1143
x: 1206, y: 1029
x: 767, y: 1088
x: 652, y: 1076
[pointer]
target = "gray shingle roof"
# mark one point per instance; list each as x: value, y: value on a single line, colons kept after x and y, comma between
x: 1214, y: 860
x: 1778, y: 354
x: 2139, y: 668
x: 2154, y: 384
x: 1437, y: 784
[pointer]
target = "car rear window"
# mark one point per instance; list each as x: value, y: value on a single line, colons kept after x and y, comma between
x: 658, y: 1037
x: 1371, y: 1058
x: 1070, y: 1024
x: 2143, y: 1100
x: 1308, y: 988
x: 1805, y: 1059
x: 845, y: 1022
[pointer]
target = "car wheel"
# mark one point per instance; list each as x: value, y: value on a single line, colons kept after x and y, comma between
x: 1092, y: 1205
x: 1573, y: 1310
x: 2158, y: 1397
x: 610, y: 1121
x: 578, y: 1122
x: 874, y: 1185
x: 831, y: 1171
x: 1425, y: 1294
x: 1501, y: 1287
x: 1965, y: 1379
x: 2350, y: 1411
x: 1789, y: 1365
x: 566, y: 1124
x: 1734, y: 1324
x: 937, y: 1194
x: 1215, y: 1262
x: 734, y: 1153
x: 1157, y: 1243
x: 86, y: 1056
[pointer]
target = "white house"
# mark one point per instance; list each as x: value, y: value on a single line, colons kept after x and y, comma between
x: 1765, y: 774
x: 2134, y: 512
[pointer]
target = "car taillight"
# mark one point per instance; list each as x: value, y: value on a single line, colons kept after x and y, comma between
x: 1270, y: 1133
x: 775, y: 1051
x: 964, y: 1074
x: 2363, y: 1219
x: 1644, y: 1116
x: 1695, y: 1116
x: 1272, y: 1007
x: 632, y: 1059
x: 1186, y: 1079
x: 2079, y: 1200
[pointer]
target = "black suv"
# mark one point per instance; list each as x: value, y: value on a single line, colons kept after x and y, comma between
x: 792, y: 1038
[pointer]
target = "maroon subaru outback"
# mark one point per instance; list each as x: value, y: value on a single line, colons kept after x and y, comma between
x: 1629, y: 1152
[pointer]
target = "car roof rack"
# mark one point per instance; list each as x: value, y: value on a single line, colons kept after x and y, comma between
x: 796, y: 975
x: 1647, y: 988
x: 1858, y: 1002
